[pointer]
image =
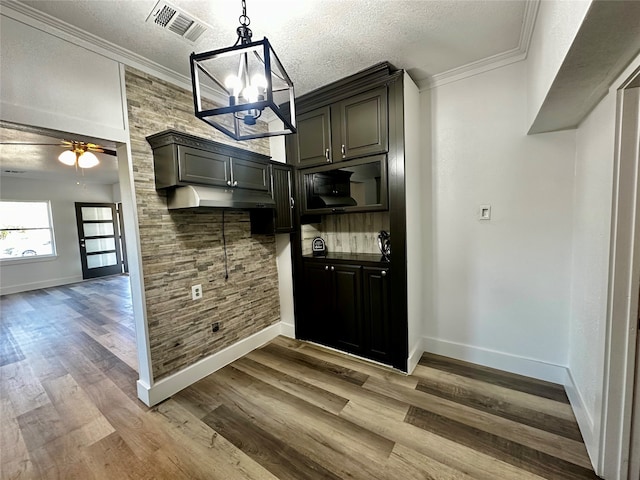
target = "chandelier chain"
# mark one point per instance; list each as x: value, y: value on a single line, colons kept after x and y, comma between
x: 244, y: 19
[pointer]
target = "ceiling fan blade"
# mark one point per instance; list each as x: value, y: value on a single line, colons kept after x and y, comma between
x: 29, y: 144
x: 97, y: 148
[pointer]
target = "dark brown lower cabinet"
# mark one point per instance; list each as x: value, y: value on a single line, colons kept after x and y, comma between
x: 347, y: 307
x: 377, y: 311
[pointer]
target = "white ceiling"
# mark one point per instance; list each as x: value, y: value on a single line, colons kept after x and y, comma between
x: 41, y: 161
x: 317, y: 41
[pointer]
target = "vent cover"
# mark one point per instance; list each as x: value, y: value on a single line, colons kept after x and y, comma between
x: 178, y: 21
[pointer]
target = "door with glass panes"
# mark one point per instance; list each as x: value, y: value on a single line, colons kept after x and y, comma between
x: 99, y: 239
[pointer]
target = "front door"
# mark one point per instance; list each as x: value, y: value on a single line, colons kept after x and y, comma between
x: 98, y: 239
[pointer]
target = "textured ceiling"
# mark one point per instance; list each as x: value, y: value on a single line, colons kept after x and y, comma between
x: 318, y: 41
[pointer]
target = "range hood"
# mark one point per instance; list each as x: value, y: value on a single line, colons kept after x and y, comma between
x: 195, y: 196
x: 334, y: 201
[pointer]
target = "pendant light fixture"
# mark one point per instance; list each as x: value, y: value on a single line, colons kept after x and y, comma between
x: 254, y: 83
x: 79, y: 155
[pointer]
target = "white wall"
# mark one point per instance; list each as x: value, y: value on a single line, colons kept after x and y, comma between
x: 90, y: 102
x: 556, y: 26
x: 590, y: 263
x: 283, y: 246
x: 65, y: 267
x: 416, y: 161
x: 501, y: 287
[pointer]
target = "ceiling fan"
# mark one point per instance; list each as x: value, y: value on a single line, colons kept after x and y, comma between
x: 76, y: 153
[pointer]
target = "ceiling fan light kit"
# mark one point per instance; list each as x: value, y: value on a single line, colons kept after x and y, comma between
x: 250, y: 75
x: 79, y: 155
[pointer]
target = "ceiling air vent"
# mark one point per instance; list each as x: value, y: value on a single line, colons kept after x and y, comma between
x: 178, y: 21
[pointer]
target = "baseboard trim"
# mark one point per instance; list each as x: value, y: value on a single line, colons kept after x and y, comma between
x: 288, y: 330
x: 414, y: 356
x: 168, y: 386
x: 503, y: 361
x: 53, y: 282
x: 585, y: 421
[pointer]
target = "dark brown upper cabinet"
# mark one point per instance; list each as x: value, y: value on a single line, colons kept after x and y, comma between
x: 363, y: 125
x: 314, y: 137
x: 181, y: 159
x: 348, y: 129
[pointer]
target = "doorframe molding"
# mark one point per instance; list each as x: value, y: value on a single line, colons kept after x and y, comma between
x: 624, y: 284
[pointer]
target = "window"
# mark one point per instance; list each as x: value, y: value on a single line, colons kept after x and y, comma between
x: 26, y: 230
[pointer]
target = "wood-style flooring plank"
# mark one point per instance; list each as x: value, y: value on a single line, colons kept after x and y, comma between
x: 347, y: 374
x: 10, y: 351
x: 350, y: 362
x: 508, y: 451
x: 407, y: 464
x: 293, y: 385
x: 501, y: 394
x: 334, y: 384
x: 287, y: 410
x: 275, y: 454
x: 496, y: 377
x: 546, y: 442
x: 456, y: 456
x: 199, y: 441
x: 344, y: 448
x: 489, y: 404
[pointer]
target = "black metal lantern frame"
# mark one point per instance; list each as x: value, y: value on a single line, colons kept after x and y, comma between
x: 248, y: 99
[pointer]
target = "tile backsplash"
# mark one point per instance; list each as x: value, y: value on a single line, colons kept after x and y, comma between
x: 348, y: 233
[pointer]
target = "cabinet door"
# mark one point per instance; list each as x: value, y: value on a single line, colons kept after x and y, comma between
x: 360, y: 125
x: 316, y: 320
x: 250, y: 174
x: 377, y: 313
x: 347, y: 319
x: 283, y: 196
x: 199, y: 166
x: 314, y: 137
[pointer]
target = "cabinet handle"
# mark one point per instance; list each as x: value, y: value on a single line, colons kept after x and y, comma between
x: 383, y: 273
x: 292, y: 202
x: 326, y: 267
x: 344, y: 151
x: 326, y: 155
x: 235, y: 183
x: 332, y: 268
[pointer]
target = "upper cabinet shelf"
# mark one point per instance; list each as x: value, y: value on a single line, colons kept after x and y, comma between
x: 345, y: 130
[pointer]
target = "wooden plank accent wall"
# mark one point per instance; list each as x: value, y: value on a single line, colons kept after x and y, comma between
x: 185, y: 248
x: 347, y: 233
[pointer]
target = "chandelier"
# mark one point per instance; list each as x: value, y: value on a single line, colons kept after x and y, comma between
x: 250, y: 77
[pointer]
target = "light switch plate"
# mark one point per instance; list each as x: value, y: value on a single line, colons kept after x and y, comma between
x: 484, y: 213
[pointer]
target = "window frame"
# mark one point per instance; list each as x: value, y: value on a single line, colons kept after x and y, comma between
x: 34, y: 258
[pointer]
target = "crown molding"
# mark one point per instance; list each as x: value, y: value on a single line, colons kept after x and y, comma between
x: 495, y: 61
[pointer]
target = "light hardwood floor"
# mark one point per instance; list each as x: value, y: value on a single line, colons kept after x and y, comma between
x: 289, y: 410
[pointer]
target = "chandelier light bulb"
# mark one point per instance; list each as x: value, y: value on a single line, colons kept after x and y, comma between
x: 68, y: 157
x: 251, y: 93
x: 234, y: 84
x: 88, y: 160
x: 259, y: 81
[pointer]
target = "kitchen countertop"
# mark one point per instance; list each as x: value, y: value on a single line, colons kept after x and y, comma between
x: 339, y: 257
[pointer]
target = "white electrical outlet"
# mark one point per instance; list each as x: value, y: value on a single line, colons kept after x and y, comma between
x: 196, y: 292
